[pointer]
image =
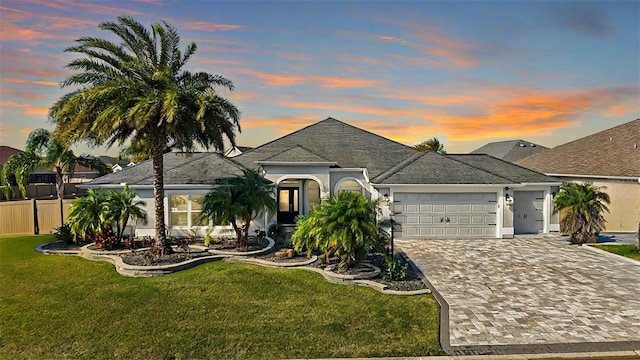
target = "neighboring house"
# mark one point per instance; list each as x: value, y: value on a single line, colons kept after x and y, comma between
x: 609, y: 158
x: 37, y: 176
x: 510, y: 150
x: 431, y: 194
x: 114, y: 163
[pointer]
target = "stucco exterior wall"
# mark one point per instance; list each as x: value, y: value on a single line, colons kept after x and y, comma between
x: 625, y: 203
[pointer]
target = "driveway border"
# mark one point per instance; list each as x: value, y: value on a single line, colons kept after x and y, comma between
x: 518, y: 349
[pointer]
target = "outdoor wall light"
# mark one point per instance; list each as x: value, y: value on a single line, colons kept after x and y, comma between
x: 386, y: 199
x: 508, y: 199
x: 553, y: 194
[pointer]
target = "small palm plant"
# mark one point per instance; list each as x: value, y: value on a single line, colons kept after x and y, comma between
x: 87, y: 215
x: 122, y: 206
x: 583, y: 206
x: 345, y: 225
x: 237, y: 201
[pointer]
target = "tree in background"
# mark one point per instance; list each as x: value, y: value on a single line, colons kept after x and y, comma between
x: 238, y: 200
x: 138, y: 91
x: 583, y: 206
x: 432, y: 144
x: 45, y: 151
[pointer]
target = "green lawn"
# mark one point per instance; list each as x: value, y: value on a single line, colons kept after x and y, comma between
x: 69, y: 307
x: 630, y: 251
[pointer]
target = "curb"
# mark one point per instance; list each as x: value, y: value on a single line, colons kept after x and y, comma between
x: 619, y: 257
x: 604, y: 355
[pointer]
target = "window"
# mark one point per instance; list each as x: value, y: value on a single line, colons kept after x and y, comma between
x: 186, y: 210
x: 350, y: 186
x: 313, y: 193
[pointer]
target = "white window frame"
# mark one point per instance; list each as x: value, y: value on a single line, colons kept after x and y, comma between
x: 189, y: 211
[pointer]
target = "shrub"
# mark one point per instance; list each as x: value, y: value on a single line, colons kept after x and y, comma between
x: 394, y: 269
x: 64, y: 234
x: 106, y: 239
x: 343, y: 225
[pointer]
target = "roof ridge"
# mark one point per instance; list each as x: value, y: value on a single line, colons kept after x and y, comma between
x: 207, y: 153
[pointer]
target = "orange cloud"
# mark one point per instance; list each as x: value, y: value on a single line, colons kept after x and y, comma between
x: 11, y: 103
x: 36, y: 111
x: 26, y: 81
x: 22, y: 94
x: 282, y: 80
x: 26, y: 131
x: 358, y: 109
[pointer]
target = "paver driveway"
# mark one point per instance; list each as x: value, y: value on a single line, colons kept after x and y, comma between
x: 510, y: 293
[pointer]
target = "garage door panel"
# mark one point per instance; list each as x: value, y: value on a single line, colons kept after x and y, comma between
x: 468, y: 214
x: 412, y: 219
x: 411, y: 209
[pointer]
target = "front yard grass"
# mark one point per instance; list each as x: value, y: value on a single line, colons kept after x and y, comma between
x: 626, y: 250
x: 68, y: 307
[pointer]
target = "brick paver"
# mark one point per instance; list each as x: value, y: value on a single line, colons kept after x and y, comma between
x: 530, y: 290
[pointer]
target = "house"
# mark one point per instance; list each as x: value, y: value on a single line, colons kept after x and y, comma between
x: 429, y: 194
x: 510, y: 150
x: 114, y: 163
x: 610, y: 158
x: 37, y: 176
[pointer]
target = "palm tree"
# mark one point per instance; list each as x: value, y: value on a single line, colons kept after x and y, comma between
x: 45, y: 151
x: 19, y: 166
x: 238, y: 200
x: 345, y: 225
x: 122, y: 206
x: 583, y: 206
x: 137, y: 91
x: 87, y: 215
x: 432, y: 144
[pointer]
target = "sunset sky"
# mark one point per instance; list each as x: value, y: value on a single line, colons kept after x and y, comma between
x: 465, y: 72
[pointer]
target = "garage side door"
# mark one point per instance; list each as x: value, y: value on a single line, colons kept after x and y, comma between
x: 438, y: 215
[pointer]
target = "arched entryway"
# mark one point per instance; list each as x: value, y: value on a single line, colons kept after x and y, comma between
x: 297, y: 196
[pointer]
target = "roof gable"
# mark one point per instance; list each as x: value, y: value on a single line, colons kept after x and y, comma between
x: 433, y: 168
x: 612, y: 152
x: 335, y: 141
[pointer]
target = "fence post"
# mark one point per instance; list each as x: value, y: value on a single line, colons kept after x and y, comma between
x: 36, y: 230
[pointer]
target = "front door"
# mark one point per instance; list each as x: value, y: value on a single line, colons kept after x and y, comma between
x: 527, y: 212
x: 287, y: 205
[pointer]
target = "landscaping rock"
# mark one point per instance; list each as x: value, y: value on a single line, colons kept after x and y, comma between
x: 285, y: 254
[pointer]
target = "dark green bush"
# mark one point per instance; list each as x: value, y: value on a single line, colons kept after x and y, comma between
x: 394, y: 269
x: 63, y: 233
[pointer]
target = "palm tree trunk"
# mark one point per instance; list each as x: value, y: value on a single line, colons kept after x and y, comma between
x: 60, y: 183
x: 158, y: 198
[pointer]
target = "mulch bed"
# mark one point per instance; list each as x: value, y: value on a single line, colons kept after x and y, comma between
x: 229, y: 244
x: 144, y: 259
x: 59, y: 245
x: 298, y: 258
x: 413, y: 281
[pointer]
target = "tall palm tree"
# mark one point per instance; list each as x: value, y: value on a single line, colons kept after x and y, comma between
x: 122, y: 206
x: 583, y: 205
x: 238, y: 200
x: 137, y: 91
x: 45, y: 151
x: 432, y: 144
x: 87, y: 215
x: 344, y: 225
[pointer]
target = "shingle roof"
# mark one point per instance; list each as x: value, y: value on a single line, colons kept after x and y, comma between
x: 510, y: 150
x: 503, y: 168
x: 196, y: 168
x: 335, y: 141
x: 434, y: 168
x: 6, y: 152
x: 612, y: 152
x: 297, y: 154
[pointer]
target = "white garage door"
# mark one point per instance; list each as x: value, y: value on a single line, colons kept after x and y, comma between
x: 446, y: 215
